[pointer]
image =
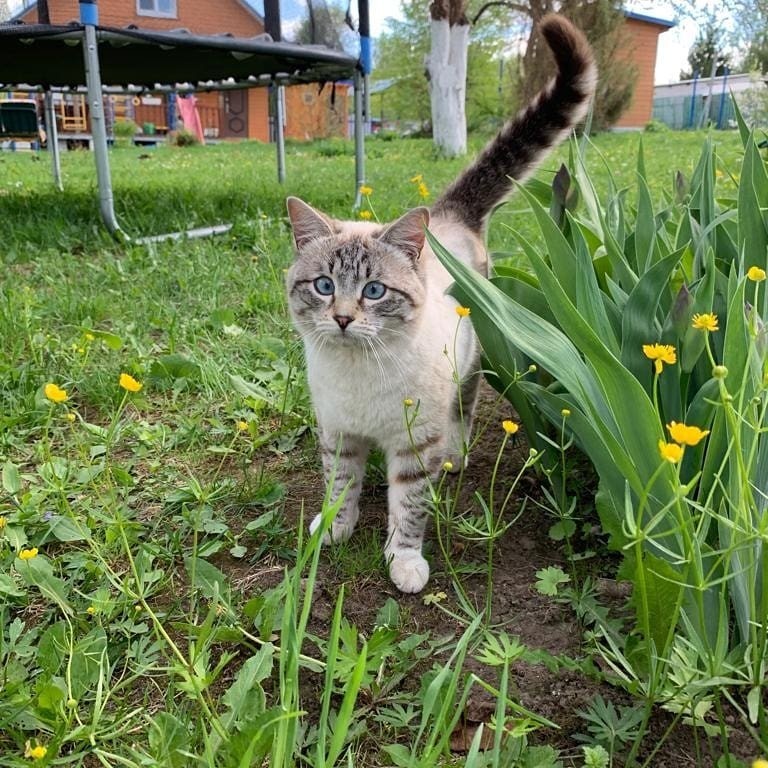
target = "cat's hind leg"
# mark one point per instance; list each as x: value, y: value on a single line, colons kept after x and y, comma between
x: 461, y: 417
x: 344, y: 459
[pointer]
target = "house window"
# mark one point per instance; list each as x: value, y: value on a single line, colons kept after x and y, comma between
x: 163, y: 8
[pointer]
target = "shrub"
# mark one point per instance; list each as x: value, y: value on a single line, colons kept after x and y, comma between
x: 652, y: 325
x: 124, y: 131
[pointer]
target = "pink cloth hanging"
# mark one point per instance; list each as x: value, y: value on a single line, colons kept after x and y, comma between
x: 190, y: 116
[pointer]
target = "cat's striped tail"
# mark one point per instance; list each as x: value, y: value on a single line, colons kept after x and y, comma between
x: 527, y: 138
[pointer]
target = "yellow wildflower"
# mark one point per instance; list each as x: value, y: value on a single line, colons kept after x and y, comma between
x: 70, y: 417
x: 463, y: 311
x: 705, y: 322
x: 417, y: 179
x: 242, y: 425
x: 565, y: 413
x: 760, y: 763
x: 407, y: 402
x: 509, y: 426
x: 671, y: 452
x: 366, y: 190
x: 28, y: 554
x: 448, y: 466
x: 686, y: 435
x: 366, y: 215
x: 54, y: 393
x: 660, y: 353
x: 423, y: 191
x: 37, y: 752
x: 89, y: 337
x: 757, y: 275
x: 128, y: 383
x: 3, y: 522
x: 90, y: 610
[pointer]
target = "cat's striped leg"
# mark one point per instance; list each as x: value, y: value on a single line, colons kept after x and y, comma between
x: 408, y: 511
x: 461, y: 417
x: 344, y: 459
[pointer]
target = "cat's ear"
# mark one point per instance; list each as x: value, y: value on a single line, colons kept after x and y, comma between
x: 308, y: 224
x: 408, y: 232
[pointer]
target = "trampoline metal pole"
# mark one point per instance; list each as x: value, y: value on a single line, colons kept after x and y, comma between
x: 89, y: 19
x: 359, y: 138
x: 280, y: 130
x: 53, y: 139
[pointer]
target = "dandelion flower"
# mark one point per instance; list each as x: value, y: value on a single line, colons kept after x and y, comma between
x: 671, y: 452
x: 366, y: 190
x: 54, y: 393
x: 28, y: 554
x: 509, y: 426
x: 366, y: 215
x: 686, y: 435
x: 660, y: 354
x: 757, y: 275
x: 463, y: 311
x: 705, y: 322
x: 128, y: 383
x: 37, y: 752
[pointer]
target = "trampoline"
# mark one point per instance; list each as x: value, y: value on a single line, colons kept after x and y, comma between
x: 44, y: 58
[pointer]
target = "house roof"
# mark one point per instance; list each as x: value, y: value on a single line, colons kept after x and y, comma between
x: 650, y: 19
x: 52, y: 55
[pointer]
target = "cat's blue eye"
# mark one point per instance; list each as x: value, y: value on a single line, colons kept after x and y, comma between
x: 324, y: 286
x: 374, y: 290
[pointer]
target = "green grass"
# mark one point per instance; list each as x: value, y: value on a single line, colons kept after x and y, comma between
x: 157, y: 517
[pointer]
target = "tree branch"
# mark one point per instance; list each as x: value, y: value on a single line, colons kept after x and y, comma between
x: 524, y: 9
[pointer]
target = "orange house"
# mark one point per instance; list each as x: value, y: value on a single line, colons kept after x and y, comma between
x: 643, y: 38
x: 232, y: 114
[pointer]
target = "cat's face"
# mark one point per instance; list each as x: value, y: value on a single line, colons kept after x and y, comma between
x: 353, y: 282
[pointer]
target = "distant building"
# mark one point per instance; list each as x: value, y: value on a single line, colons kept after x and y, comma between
x: 232, y: 114
x: 643, y: 38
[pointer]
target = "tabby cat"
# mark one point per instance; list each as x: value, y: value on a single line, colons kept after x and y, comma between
x: 380, y: 333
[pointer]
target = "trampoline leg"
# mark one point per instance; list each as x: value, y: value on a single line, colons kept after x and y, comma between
x: 99, y: 132
x: 359, y: 139
x: 279, y: 96
x: 53, y: 140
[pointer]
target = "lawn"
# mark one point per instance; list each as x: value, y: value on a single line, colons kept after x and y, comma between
x: 168, y: 608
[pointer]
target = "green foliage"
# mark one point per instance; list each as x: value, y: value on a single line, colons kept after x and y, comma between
x: 708, y: 51
x: 607, y: 282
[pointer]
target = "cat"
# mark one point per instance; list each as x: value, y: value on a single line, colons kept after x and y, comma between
x: 382, y: 339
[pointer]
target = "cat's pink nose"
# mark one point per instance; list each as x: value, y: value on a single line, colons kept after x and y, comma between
x: 343, y: 320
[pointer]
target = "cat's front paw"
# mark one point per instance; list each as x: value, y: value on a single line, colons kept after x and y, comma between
x: 339, y: 530
x: 409, y: 573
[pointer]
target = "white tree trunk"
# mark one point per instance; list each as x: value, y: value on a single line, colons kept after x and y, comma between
x: 447, y: 66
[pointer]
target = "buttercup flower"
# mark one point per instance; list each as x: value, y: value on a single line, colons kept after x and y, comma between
x: 366, y: 215
x: 565, y: 413
x: 90, y: 610
x: 407, y: 402
x: 757, y: 275
x: 509, y: 426
x: 671, y: 452
x: 705, y: 322
x: 686, y: 435
x: 423, y: 191
x: 128, y: 383
x: 242, y: 425
x: 55, y: 393
x: 3, y: 522
x: 760, y: 763
x: 366, y: 190
x: 660, y: 354
x: 89, y: 337
x: 28, y: 554
x: 70, y: 417
x: 37, y: 752
x: 417, y: 179
x: 448, y: 466
x: 463, y: 311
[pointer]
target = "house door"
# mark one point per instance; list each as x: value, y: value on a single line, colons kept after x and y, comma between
x: 234, y: 114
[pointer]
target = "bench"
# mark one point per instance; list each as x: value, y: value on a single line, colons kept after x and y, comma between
x: 18, y: 122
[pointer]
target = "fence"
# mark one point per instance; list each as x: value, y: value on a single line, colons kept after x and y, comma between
x: 680, y: 112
